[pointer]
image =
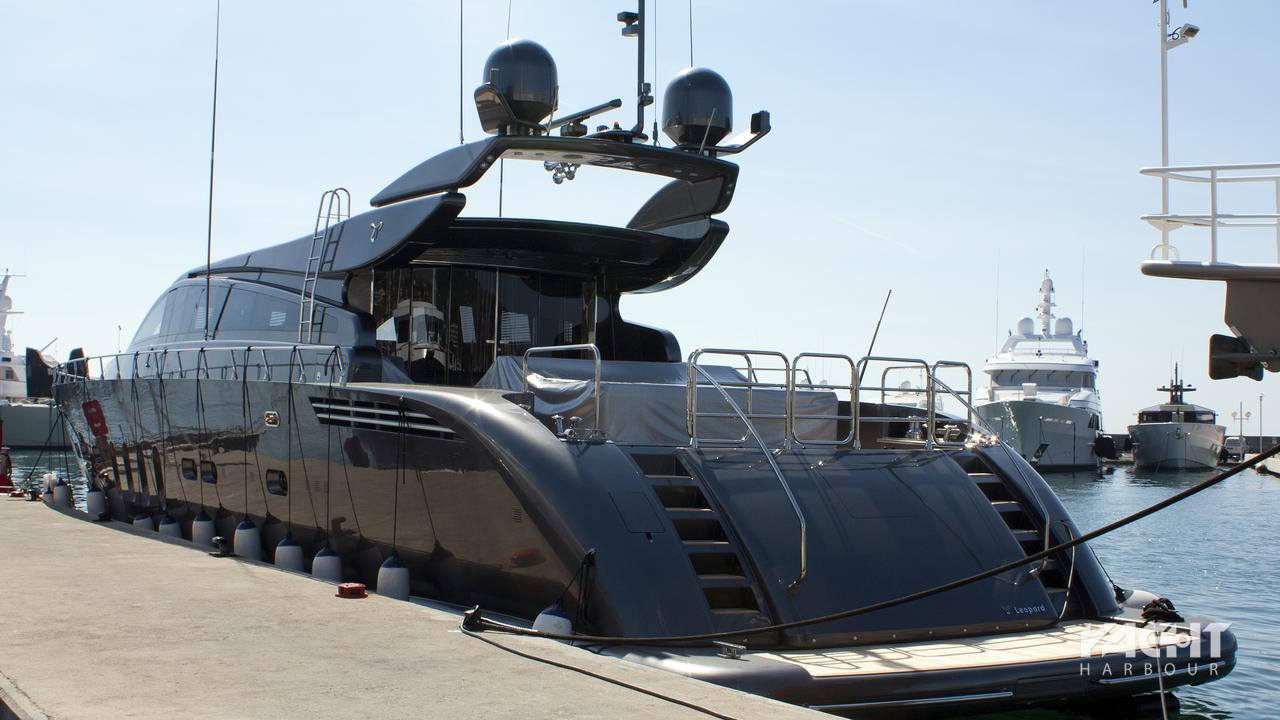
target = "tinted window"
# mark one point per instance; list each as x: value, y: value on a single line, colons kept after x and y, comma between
x: 448, y: 323
x: 257, y: 315
x: 185, y: 313
x: 149, y: 330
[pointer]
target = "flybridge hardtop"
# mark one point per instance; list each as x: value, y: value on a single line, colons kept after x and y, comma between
x: 670, y: 238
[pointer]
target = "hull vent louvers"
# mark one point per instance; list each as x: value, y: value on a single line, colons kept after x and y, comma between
x: 384, y: 417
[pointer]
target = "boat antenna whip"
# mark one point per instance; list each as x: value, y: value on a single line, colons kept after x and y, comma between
x: 876, y: 333
x: 213, y: 140
x: 474, y: 621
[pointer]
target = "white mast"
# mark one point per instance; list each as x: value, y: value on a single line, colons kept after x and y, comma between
x: 1044, y: 310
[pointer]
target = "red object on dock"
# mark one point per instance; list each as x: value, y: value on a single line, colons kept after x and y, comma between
x: 351, y: 590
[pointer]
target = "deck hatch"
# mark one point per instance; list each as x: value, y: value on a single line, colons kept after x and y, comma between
x: 384, y: 417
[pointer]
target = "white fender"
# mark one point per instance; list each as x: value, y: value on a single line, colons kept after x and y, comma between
x: 289, y: 555
x: 553, y: 620
x: 62, y: 494
x: 327, y: 566
x: 203, y: 530
x: 169, y: 527
x: 247, y: 542
x: 143, y: 521
x: 95, y: 503
x: 393, y: 579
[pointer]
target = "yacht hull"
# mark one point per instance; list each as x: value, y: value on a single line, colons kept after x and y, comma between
x: 31, y: 425
x: 1063, y: 431
x: 486, y: 505
x: 1177, y: 446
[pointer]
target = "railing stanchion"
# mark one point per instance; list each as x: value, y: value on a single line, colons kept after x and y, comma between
x: 595, y: 388
x: 1213, y: 216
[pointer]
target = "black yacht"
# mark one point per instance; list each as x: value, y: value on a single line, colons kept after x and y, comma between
x: 462, y: 399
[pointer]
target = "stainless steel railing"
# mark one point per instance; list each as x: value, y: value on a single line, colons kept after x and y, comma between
x: 923, y: 430
x: 849, y: 438
x: 749, y: 384
x: 328, y: 360
x: 597, y: 430
x: 923, y: 426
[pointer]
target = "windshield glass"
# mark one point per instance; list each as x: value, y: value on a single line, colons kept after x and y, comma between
x: 448, y: 324
x: 1072, y: 379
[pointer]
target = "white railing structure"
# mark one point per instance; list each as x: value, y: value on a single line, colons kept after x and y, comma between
x: 1213, y: 178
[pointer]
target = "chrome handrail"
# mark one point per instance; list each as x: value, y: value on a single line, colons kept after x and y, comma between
x: 975, y: 418
x: 581, y: 347
x: 929, y: 419
x: 750, y: 384
x: 967, y: 392
x: 849, y: 439
x: 334, y: 363
x: 777, y: 471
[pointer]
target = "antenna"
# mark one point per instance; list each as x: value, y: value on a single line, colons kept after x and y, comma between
x: 633, y: 26
x: 655, y: 69
x: 461, y: 138
x: 690, y: 33
x: 876, y: 334
x: 213, y: 140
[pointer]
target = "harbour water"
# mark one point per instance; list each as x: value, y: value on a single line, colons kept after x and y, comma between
x: 1211, y: 555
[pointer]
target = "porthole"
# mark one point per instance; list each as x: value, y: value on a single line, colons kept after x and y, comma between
x: 277, y: 483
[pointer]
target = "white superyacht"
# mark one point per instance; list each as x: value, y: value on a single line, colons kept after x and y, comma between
x: 25, y: 422
x: 1042, y: 396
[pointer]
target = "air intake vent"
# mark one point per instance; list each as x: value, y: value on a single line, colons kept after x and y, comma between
x: 378, y: 416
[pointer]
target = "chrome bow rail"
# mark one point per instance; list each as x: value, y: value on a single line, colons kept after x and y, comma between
x: 297, y: 362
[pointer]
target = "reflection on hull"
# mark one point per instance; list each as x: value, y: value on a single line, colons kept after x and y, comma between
x: 1050, y: 436
x: 1176, y: 446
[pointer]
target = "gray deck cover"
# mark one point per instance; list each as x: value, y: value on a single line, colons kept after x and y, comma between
x: 645, y: 403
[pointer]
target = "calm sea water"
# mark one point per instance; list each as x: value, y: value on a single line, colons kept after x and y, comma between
x: 1212, y: 555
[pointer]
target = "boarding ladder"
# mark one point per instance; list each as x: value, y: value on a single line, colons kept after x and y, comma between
x: 335, y: 207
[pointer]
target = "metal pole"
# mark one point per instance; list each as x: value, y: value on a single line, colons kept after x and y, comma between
x: 1164, y: 126
x: 1213, y: 217
x: 640, y: 68
x: 1259, y: 422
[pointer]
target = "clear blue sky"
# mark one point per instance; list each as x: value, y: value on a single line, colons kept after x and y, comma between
x: 916, y: 146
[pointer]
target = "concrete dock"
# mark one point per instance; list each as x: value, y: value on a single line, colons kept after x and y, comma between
x: 104, y: 622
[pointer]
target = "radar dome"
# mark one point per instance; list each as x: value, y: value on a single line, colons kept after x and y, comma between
x: 524, y: 73
x: 1026, y: 326
x: 1062, y: 326
x: 697, y: 108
